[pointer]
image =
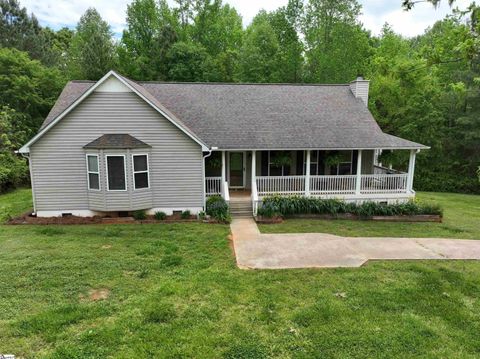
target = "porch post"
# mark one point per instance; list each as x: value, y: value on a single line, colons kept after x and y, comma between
x: 223, y: 172
x: 411, y: 170
x: 307, y: 174
x: 358, y: 180
x: 254, y: 167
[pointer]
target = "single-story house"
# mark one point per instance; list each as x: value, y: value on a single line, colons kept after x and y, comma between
x: 116, y: 145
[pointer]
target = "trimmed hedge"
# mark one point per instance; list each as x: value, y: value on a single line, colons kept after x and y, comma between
x: 290, y: 205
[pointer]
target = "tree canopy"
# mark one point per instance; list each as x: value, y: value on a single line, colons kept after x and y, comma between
x: 425, y: 88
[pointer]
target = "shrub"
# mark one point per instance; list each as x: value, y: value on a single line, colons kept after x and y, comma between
x: 202, y: 215
x: 268, y: 210
x: 185, y: 214
x: 217, y: 208
x: 140, y: 215
x: 160, y: 216
x: 275, y: 205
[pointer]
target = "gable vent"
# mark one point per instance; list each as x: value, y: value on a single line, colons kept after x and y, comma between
x: 359, y: 88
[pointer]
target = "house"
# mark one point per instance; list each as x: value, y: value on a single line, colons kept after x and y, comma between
x: 116, y: 145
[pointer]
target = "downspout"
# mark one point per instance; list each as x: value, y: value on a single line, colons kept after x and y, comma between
x: 27, y: 157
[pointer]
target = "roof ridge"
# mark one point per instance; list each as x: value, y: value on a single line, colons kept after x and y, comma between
x: 237, y: 83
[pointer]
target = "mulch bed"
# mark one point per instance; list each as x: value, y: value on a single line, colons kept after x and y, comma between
x: 27, y: 218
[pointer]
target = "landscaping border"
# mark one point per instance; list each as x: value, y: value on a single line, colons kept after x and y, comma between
x: 402, y: 218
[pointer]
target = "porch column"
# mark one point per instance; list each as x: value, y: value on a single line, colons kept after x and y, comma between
x: 411, y: 170
x: 254, y: 167
x: 307, y: 174
x: 223, y: 172
x: 358, y: 180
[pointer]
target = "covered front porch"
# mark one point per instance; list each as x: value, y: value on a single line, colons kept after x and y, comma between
x: 351, y: 175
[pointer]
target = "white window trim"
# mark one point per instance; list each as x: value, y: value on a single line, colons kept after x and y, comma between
x: 124, y: 171
x: 93, y: 172
x: 135, y: 172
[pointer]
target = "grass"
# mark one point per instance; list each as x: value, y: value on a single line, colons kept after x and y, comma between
x: 173, y: 291
x: 15, y: 203
x: 461, y: 220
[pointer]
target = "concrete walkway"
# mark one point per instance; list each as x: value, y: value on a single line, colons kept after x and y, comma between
x: 309, y: 250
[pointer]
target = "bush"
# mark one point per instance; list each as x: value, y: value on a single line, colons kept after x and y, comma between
x: 140, y: 215
x: 185, y: 214
x: 217, y: 208
x: 268, y: 210
x: 202, y: 215
x: 160, y: 216
x: 290, y: 205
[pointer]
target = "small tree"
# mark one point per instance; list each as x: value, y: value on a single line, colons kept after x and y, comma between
x: 92, y: 53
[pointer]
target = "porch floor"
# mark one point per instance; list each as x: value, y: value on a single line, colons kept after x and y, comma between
x: 240, y: 195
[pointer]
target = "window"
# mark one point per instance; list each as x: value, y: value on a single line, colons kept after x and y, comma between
x: 93, y: 173
x: 344, y: 164
x: 140, y: 171
x: 315, y: 169
x: 279, y: 163
x: 116, y: 173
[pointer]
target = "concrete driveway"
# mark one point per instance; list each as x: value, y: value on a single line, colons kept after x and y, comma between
x: 318, y: 250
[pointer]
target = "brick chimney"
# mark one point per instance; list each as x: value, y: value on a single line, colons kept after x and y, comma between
x: 359, y: 88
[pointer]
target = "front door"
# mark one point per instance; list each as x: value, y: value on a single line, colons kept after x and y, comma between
x: 236, y: 173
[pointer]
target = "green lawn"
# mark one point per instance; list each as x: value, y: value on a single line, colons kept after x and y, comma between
x: 173, y: 291
x: 461, y: 220
x: 14, y: 203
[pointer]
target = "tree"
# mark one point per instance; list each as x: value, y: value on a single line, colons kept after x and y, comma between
x: 27, y: 86
x: 337, y: 47
x: 23, y: 32
x: 285, y: 22
x: 92, y: 52
x: 188, y: 62
x: 13, y: 169
x: 258, y: 56
x: 151, y: 31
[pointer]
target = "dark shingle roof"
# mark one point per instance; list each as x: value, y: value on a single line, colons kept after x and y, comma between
x: 112, y: 141
x: 261, y: 116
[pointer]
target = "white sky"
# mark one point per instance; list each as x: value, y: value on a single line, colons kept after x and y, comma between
x: 58, y: 13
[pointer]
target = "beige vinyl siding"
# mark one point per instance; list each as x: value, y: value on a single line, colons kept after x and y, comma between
x: 59, y: 165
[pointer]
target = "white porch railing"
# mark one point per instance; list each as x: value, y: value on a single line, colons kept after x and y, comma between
x: 280, y: 184
x: 213, y: 185
x: 332, y: 184
x: 384, y: 183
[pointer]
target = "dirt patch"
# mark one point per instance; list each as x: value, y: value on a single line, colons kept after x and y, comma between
x: 95, y: 295
x: 106, y: 246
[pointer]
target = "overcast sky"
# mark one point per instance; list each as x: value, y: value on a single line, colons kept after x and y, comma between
x: 58, y: 13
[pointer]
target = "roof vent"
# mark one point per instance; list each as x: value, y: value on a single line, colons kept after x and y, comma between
x: 359, y: 88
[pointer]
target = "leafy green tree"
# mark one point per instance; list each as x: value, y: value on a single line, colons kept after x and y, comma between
x: 188, y: 62
x: 92, y: 52
x: 27, y: 86
x: 337, y: 47
x: 285, y: 23
x: 13, y: 169
x: 151, y: 30
x: 258, y: 57
x: 22, y: 31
